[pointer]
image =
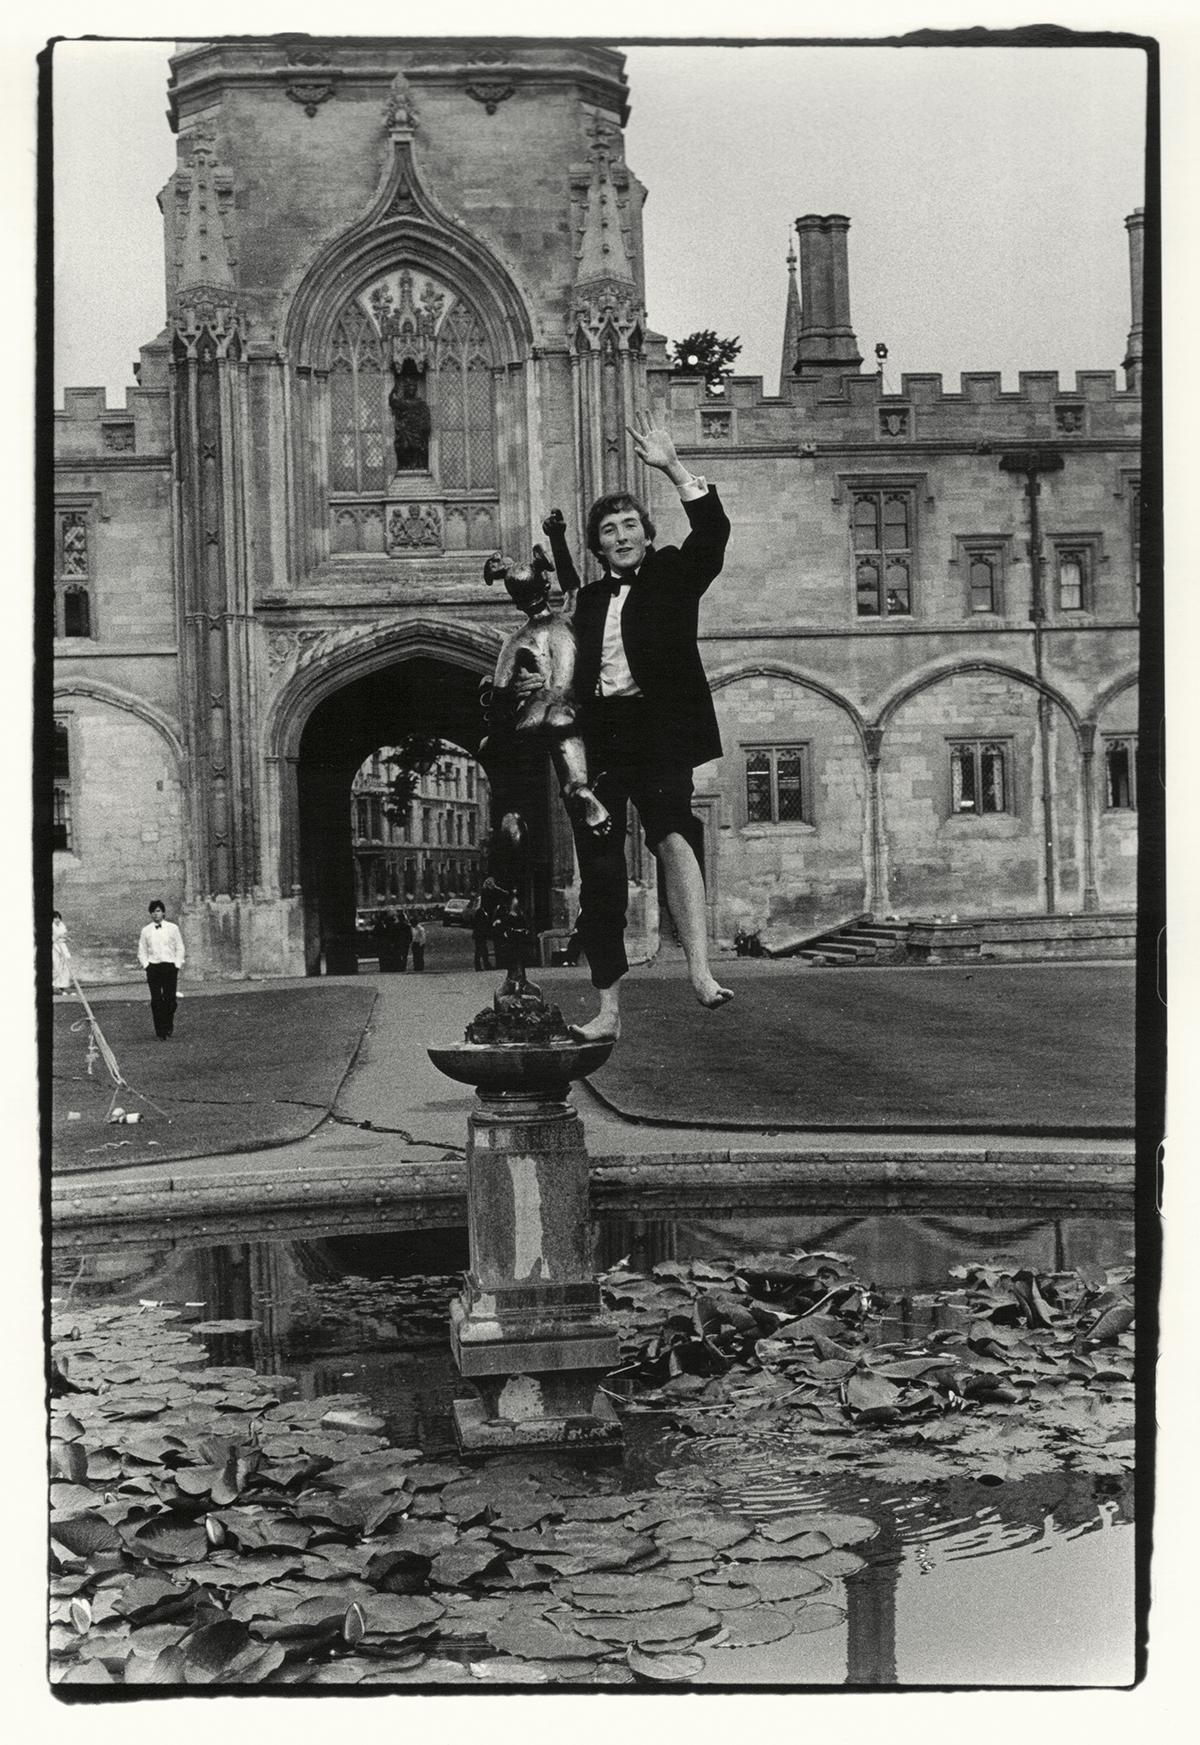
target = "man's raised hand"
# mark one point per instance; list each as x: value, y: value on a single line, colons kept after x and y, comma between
x: 652, y: 443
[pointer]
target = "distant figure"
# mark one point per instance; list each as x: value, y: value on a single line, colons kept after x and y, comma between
x: 418, y: 947
x: 161, y: 955
x: 412, y: 420
x: 394, y: 933
x: 60, y: 979
x: 494, y: 903
x: 481, y: 932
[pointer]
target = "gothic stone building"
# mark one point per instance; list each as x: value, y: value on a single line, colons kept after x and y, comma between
x: 406, y: 317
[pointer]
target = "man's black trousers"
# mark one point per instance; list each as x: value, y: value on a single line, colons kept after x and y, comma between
x: 624, y: 764
x: 162, y: 978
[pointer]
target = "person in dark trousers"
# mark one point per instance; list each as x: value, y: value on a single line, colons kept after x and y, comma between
x: 418, y: 947
x: 161, y: 954
x: 481, y: 932
x: 492, y: 903
x: 647, y: 715
x: 394, y: 934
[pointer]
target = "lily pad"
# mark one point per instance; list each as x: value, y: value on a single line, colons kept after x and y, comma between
x: 86, y: 1534
x: 775, y: 1580
x: 602, y: 1591
x: 817, y: 1616
x: 460, y: 1563
x: 719, y: 1531
x: 664, y: 1668
x: 728, y: 1596
x: 399, y: 1614
x: 755, y: 1624
x: 168, y: 1666
x: 837, y: 1563
x: 602, y: 1508
x: 837, y: 1529
x: 167, y: 1538
x: 765, y: 1550
x: 538, y: 1640
x: 689, y: 1551
x: 665, y: 1624
x: 469, y: 1619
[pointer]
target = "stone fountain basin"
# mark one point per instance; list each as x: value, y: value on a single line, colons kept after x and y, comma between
x: 518, y: 1066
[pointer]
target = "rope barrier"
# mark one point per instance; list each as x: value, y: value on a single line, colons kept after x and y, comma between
x: 99, y: 1049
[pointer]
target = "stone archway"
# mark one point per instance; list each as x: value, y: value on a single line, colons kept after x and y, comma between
x: 420, y: 691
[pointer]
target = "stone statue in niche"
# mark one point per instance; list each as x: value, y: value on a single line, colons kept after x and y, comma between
x: 531, y: 693
x: 411, y: 419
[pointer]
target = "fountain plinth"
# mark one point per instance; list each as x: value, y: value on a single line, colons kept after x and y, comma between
x: 528, y: 1331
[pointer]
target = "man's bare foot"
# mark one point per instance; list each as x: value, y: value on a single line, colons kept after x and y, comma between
x: 711, y: 994
x: 606, y: 1025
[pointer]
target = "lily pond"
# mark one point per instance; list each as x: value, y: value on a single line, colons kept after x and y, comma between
x: 890, y: 1450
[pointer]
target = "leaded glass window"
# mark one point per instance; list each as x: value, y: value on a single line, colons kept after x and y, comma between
x: 979, y: 777
x: 882, y: 533
x: 777, y: 786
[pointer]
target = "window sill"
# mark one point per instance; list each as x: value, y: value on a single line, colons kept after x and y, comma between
x: 752, y: 832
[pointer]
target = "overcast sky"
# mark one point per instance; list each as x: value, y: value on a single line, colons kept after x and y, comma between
x: 987, y: 191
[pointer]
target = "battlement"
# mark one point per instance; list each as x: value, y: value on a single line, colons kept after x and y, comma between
x: 89, y: 428
x: 858, y: 408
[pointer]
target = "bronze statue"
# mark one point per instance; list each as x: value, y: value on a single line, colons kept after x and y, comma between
x: 543, y: 649
x: 412, y: 420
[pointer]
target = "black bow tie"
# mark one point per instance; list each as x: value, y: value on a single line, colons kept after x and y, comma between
x: 610, y: 586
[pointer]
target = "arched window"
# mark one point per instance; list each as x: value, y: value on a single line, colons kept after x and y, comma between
x: 72, y: 575
x: 407, y: 326
x: 358, y: 389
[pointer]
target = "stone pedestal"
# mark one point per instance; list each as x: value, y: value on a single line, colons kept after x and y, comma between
x: 527, y: 1331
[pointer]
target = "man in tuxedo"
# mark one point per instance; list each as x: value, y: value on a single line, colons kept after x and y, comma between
x: 161, y: 954
x: 647, y: 717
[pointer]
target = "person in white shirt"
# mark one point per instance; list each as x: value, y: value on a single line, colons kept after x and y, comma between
x: 161, y: 955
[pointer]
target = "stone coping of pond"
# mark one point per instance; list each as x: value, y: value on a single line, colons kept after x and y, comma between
x: 1076, y: 1178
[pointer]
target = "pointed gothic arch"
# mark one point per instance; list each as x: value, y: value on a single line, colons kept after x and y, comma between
x: 953, y: 669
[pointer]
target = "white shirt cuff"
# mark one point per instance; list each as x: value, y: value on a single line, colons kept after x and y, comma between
x: 695, y: 487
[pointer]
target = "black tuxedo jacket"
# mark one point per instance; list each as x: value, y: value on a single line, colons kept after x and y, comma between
x: 658, y: 627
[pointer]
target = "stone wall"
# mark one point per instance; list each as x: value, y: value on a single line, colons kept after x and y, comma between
x: 127, y: 842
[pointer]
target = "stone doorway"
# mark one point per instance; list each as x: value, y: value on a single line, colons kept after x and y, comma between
x: 420, y: 694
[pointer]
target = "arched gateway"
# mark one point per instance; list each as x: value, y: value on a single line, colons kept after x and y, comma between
x: 423, y: 678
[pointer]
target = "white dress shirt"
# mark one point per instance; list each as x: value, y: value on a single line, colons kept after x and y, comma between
x: 616, y: 680
x: 161, y: 942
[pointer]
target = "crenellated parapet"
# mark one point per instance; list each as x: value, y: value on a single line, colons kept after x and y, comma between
x: 856, y: 409
x: 88, y: 429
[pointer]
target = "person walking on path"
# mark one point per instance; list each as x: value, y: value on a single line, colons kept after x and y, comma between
x: 418, y: 947
x: 60, y: 951
x: 647, y: 716
x: 491, y: 905
x: 161, y: 954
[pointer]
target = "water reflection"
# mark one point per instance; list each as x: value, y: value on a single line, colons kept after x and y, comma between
x: 896, y: 1250
x: 950, y: 1592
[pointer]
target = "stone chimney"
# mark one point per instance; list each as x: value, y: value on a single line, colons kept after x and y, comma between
x: 827, y: 342
x: 1135, y: 225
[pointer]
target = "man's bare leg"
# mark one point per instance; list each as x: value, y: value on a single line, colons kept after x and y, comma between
x: 685, y: 895
x: 606, y: 1025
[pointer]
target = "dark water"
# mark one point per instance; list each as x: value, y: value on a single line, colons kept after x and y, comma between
x: 1027, y: 1583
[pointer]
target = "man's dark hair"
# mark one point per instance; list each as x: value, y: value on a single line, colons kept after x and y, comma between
x: 614, y: 504
x: 156, y: 904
